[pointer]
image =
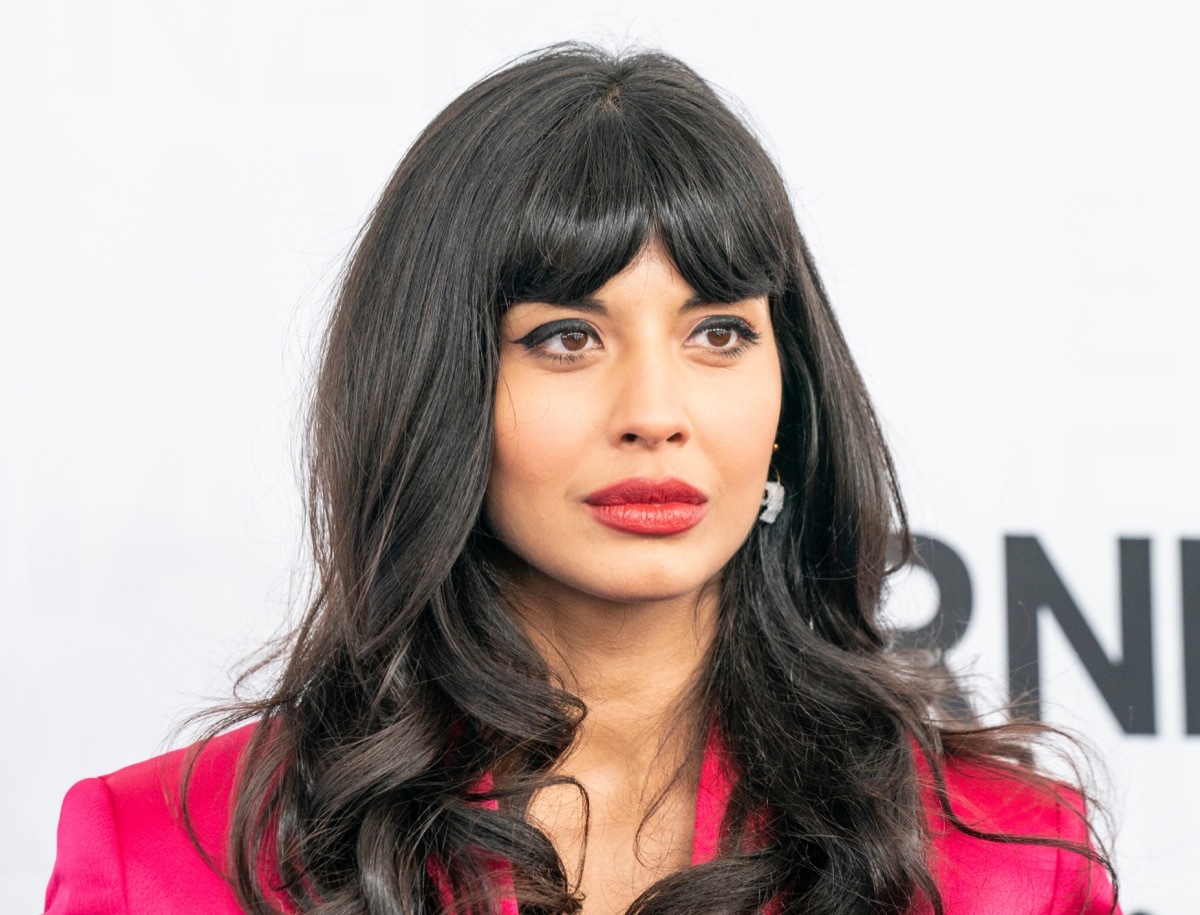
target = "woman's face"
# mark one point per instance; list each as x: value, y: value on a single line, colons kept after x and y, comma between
x: 633, y: 434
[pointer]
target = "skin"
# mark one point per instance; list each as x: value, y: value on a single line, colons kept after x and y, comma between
x: 643, y: 381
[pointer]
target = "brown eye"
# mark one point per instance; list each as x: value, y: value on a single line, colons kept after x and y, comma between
x: 718, y: 337
x: 727, y: 336
x: 562, y: 341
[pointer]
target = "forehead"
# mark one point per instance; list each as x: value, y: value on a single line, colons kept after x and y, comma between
x: 651, y: 275
x: 650, y: 279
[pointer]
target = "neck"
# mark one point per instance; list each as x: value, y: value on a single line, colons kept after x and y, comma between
x: 635, y: 665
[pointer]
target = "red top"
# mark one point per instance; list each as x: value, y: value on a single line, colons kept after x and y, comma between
x: 123, y: 850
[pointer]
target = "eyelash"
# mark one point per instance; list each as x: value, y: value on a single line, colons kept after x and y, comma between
x: 539, y: 336
x: 747, y: 335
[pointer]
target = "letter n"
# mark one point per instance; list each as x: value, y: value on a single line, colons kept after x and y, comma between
x: 1126, y: 685
x: 1189, y: 564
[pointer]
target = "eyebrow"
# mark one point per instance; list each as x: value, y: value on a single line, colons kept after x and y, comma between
x: 592, y: 305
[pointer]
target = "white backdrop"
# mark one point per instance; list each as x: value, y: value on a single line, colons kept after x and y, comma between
x: 1002, y: 196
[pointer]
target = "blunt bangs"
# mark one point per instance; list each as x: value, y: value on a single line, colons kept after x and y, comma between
x: 648, y: 154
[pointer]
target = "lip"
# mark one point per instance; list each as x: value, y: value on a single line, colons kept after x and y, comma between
x: 643, y: 506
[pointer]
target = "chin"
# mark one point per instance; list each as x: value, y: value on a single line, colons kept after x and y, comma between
x: 653, y: 586
x: 640, y: 573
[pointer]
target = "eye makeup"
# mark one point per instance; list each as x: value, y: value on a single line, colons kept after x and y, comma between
x: 567, y: 340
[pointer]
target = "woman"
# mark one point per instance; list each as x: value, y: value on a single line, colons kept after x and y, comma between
x: 600, y: 510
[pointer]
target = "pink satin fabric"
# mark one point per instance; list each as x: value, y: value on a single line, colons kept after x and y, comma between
x: 123, y: 850
x: 712, y: 796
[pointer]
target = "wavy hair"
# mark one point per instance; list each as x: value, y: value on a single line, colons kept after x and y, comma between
x: 407, y: 678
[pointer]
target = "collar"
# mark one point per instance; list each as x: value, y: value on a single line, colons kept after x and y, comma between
x: 712, y: 797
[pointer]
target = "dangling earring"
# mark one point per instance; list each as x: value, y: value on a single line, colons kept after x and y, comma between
x: 773, y: 501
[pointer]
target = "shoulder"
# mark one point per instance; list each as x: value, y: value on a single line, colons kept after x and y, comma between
x: 990, y: 865
x: 123, y: 846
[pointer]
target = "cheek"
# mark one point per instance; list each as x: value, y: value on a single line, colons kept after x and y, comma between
x: 535, y: 435
x: 744, y: 418
x: 536, y: 443
x: 746, y: 422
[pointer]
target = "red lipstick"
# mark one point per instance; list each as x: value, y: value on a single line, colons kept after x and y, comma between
x: 641, y: 506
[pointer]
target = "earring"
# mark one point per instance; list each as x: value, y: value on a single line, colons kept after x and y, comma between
x: 773, y: 501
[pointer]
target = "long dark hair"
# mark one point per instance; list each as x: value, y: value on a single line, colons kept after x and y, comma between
x: 407, y: 678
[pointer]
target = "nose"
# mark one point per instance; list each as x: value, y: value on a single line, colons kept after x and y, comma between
x: 650, y: 407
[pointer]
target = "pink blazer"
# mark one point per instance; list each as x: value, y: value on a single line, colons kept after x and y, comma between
x: 122, y: 848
